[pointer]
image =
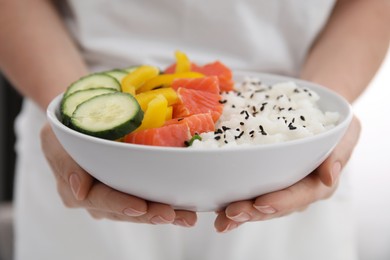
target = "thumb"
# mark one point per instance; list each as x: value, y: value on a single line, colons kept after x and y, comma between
x: 66, y: 170
x: 331, y: 168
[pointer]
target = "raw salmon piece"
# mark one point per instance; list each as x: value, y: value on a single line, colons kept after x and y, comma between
x: 209, y: 84
x: 197, y: 102
x: 199, y: 123
x: 174, y: 135
x: 217, y: 68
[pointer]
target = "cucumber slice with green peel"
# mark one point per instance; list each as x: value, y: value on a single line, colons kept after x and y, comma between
x: 109, y: 116
x: 97, y: 80
x: 69, y: 103
x: 131, y: 69
x: 117, y: 74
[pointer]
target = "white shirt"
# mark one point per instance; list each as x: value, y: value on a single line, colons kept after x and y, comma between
x: 260, y: 35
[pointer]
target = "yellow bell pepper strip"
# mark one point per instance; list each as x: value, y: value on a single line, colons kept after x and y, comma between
x: 165, y: 80
x: 169, y: 113
x: 145, y: 97
x: 138, y: 77
x: 183, y: 64
x: 155, y: 113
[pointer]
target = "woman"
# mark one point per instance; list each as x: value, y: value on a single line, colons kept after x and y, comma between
x: 337, y: 44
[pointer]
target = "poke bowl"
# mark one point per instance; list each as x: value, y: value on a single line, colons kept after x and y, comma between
x: 205, y: 178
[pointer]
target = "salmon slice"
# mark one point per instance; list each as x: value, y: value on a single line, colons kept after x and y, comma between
x: 199, y: 123
x: 173, y: 135
x: 217, y: 68
x: 194, y: 101
x: 209, y: 84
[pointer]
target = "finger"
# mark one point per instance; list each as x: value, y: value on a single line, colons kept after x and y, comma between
x: 331, y: 168
x: 159, y: 213
x: 223, y: 224
x: 103, y: 198
x: 185, y: 218
x: 276, y: 204
x: 291, y: 199
x: 63, y: 166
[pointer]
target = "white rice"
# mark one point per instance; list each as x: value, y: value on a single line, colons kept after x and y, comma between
x: 256, y: 113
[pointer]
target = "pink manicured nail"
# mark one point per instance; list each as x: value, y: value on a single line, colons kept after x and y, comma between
x: 265, y: 209
x: 181, y: 222
x: 133, y: 212
x: 336, y: 169
x: 241, y: 217
x: 229, y: 227
x: 74, y: 182
x: 159, y: 220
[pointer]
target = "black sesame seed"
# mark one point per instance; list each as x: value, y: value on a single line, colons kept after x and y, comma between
x: 246, y: 115
x: 217, y: 137
x: 224, y: 128
x: 222, y: 101
x: 302, y: 118
x: 219, y: 131
x: 241, y: 123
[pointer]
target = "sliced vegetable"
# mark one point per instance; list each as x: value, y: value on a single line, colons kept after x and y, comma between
x: 130, y: 69
x: 191, y: 141
x: 69, y: 103
x: 117, y: 74
x: 138, y: 77
x: 155, y: 114
x: 183, y: 64
x: 145, y: 97
x: 168, y: 116
x: 97, y: 80
x: 166, y: 80
x: 109, y: 116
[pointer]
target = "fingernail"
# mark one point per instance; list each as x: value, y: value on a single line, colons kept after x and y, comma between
x: 336, y: 169
x: 241, y: 217
x: 133, y: 212
x: 181, y: 222
x: 74, y: 182
x: 265, y: 209
x: 229, y: 227
x: 159, y: 220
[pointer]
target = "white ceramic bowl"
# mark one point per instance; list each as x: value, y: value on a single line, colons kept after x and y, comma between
x: 207, y: 179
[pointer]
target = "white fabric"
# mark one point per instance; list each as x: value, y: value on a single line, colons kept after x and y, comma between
x: 268, y: 36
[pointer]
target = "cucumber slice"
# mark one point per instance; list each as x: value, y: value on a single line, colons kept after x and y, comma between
x: 109, y: 116
x: 131, y: 69
x: 97, y: 80
x: 69, y: 103
x: 117, y: 74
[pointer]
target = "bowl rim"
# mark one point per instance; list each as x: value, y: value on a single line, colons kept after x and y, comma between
x: 52, y: 114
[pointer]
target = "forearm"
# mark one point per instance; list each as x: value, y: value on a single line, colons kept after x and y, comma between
x: 36, y: 53
x: 351, y: 47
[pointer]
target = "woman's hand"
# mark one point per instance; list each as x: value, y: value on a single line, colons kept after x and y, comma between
x: 78, y: 189
x: 318, y: 185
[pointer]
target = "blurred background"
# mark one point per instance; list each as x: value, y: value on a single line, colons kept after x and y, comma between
x: 10, y: 102
x: 370, y: 167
